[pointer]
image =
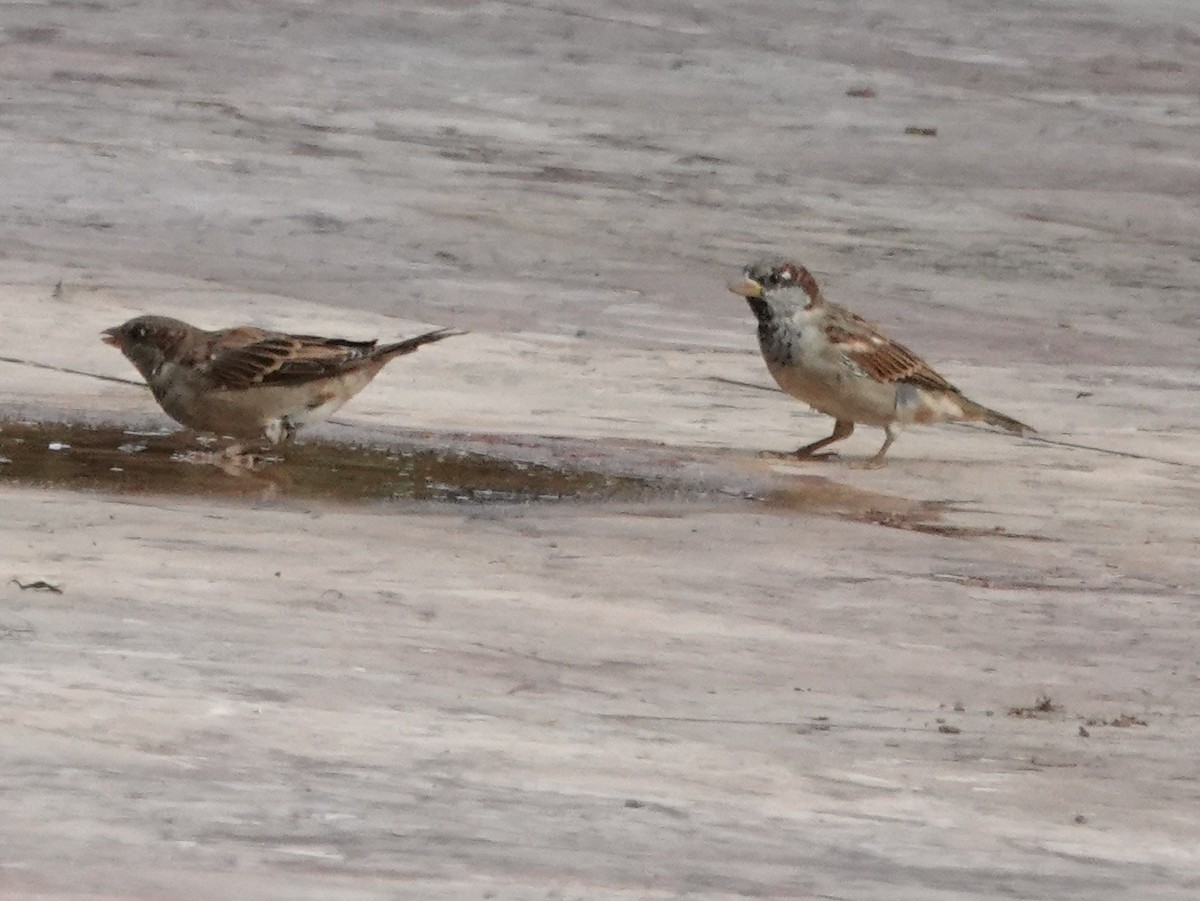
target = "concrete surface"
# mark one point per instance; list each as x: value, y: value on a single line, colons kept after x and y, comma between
x: 811, y: 698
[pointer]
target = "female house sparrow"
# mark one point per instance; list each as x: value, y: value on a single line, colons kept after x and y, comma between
x: 249, y: 383
x: 844, y: 366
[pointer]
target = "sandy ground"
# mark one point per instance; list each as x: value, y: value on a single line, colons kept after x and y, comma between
x: 705, y: 699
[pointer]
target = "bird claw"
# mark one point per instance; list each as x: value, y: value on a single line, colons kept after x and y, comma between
x: 873, y: 463
x: 823, y: 457
x: 232, y: 462
x: 794, y: 456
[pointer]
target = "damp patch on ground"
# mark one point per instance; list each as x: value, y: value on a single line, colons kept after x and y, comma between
x: 120, y: 461
x: 821, y: 496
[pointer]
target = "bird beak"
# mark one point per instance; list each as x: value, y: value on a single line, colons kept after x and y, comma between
x: 110, y: 337
x: 747, y: 287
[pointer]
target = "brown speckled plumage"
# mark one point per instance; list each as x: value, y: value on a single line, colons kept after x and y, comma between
x: 844, y: 365
x: 248, y: 382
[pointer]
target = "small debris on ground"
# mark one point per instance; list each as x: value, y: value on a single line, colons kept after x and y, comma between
x: 1123, y: 721
x: 921, y: 131
x: 39, y: 585
x: 1041, y: 706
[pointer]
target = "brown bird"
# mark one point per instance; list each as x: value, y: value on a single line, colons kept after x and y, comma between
x: 249, y: 383
x: 844, y: 366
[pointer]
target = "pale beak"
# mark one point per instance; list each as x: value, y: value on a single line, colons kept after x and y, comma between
x: 110, y: 336
x: 747, y: 287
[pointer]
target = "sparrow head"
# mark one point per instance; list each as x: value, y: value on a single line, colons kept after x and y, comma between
x: 770, y: 282
x: 148, y: 341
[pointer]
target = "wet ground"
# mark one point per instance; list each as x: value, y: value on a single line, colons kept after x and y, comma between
x: 122, y: 461
x: 180, y: 464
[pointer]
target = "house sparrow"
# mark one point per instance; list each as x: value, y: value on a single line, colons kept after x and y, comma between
x: 249, y: 383
x: 844, y: 366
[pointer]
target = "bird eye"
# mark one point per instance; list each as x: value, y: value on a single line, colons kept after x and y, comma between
x: 138, y: 332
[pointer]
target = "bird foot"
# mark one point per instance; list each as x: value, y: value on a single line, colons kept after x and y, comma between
x: 873, y: 463
x: 232, y: 461
x: 823, y: 457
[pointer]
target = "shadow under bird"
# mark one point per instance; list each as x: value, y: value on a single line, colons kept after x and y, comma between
x: 845, y: 366
x: 250, y: 383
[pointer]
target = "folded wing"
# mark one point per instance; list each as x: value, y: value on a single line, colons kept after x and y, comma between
x: 868, y: 348
x: 241, y: 358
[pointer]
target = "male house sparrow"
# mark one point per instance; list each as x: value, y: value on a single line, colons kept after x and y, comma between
x: 844, y: 366
x: 250, y: 383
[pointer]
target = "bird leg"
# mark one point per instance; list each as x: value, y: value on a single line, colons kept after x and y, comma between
x: 289, y: 432
x: 877, y: 462
x: 235, y: 459
x: 842, y: 428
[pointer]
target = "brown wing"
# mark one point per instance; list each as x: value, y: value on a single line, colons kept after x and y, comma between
x: 864, y: 344
x: 242, y: 357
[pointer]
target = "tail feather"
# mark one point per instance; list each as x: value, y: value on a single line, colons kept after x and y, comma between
x: 408, y: 345
x: 974, y: 411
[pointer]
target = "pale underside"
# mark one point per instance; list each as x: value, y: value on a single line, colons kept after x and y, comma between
x: 262, y: 411
x: 823, y: 374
